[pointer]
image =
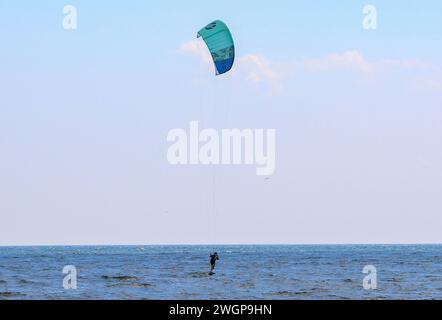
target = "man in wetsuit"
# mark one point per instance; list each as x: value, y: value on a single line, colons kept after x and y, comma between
x: 213, y: 258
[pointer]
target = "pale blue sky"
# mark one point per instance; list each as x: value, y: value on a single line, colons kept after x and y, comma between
x: 84, y: 117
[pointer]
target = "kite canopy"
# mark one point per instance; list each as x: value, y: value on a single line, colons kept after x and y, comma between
x: 219, y: 40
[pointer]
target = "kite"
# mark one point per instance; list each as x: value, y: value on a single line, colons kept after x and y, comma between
x: 219, y: 41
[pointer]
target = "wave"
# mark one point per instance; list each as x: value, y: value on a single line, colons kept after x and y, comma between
x: 24, y: 281
x: 8, y: 294
x: 133, y: 285
x: 198, y: 274
x: 290, y: 293
x: 247, y: 285
x: 120, y: 278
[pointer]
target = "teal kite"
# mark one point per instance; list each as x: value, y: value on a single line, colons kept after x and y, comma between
x: 219, y: 40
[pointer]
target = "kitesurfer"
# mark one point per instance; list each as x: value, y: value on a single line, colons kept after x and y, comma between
x: 213, y: 258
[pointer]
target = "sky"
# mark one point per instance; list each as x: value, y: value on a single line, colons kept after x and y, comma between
x: 84, y: 117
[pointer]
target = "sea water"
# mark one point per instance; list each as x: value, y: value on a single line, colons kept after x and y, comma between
x: 243, y: 272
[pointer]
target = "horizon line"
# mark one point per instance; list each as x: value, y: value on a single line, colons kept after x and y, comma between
x: 220, y: 244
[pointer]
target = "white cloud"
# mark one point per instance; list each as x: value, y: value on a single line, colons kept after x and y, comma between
x: 198, y: 48
x: 256, y: 68
x: 252, y: 68
x: 259, y: 69
x: 349, y: 60
x: 404, y: 64
x: 353, y: 60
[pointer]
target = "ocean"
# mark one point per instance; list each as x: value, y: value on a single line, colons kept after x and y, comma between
x: 243, y: 272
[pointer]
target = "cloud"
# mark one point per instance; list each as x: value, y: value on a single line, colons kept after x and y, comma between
x: 198, y: 48
x: 259, y: 69
x: 353, y: 60
x: 253, y: 68
x: 349, y: 60
x: 404, y: 64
